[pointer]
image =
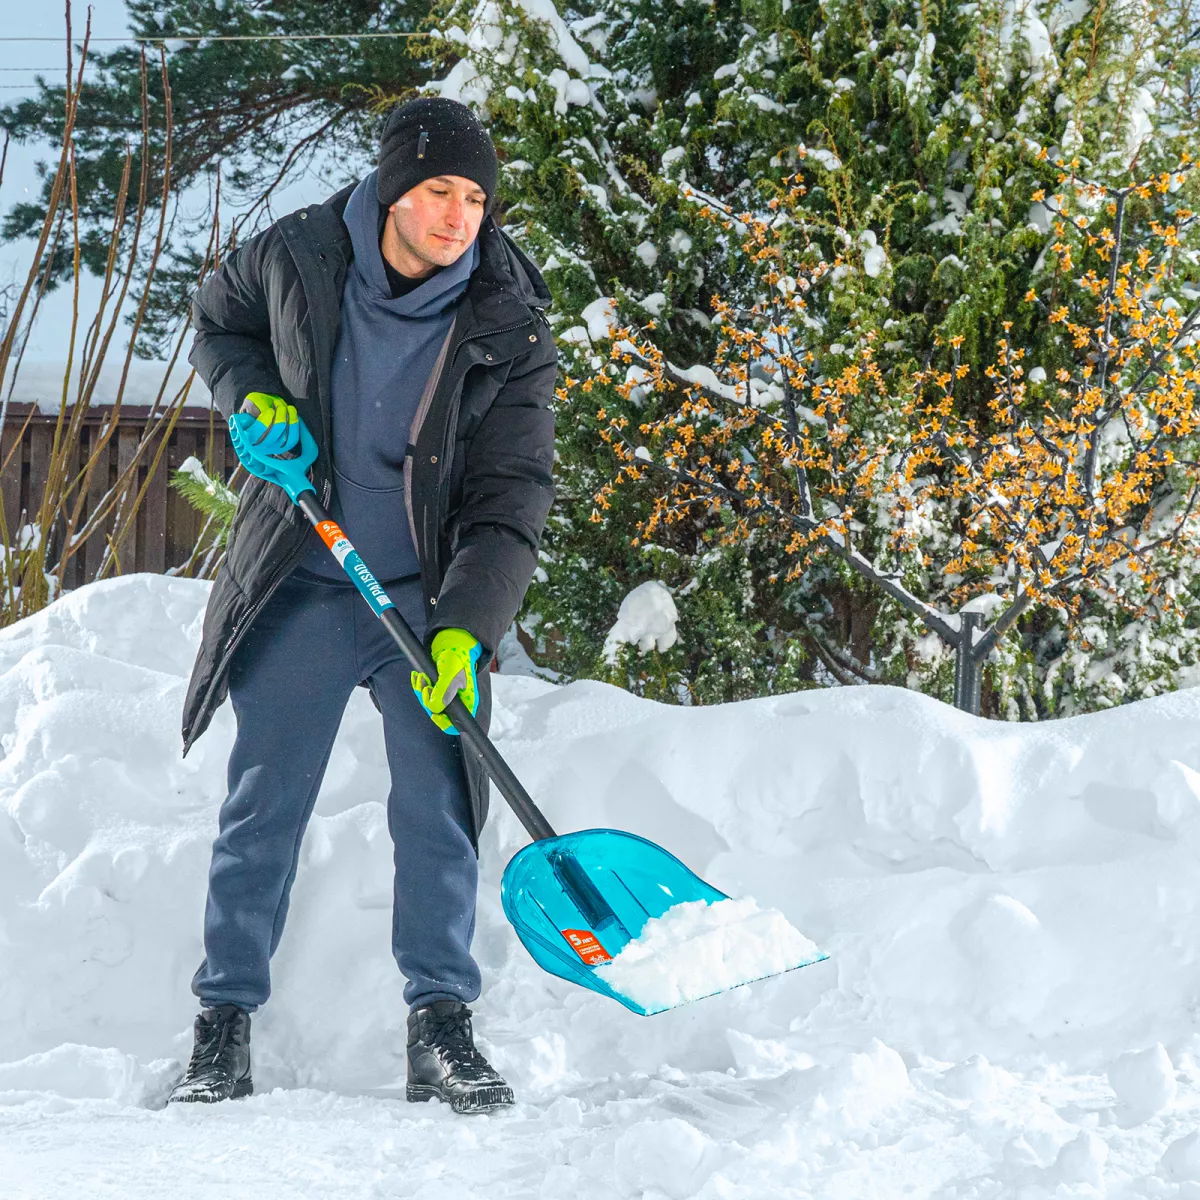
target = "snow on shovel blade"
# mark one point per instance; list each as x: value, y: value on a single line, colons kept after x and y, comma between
x: 621, y: 916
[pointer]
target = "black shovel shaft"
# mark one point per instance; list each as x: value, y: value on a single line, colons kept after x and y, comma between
x: 500, y: 773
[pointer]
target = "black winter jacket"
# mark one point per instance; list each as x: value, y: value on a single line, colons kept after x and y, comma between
x: 482, y: 454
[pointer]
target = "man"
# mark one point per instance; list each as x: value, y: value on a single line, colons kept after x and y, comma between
x: 407, y: 332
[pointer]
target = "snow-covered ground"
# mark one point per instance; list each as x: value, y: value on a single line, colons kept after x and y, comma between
x: 1009, y: 1010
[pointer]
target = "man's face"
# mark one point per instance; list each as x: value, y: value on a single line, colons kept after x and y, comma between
x: 435, y: 222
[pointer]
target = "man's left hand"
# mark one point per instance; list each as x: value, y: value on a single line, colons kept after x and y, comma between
x: 455, y: 654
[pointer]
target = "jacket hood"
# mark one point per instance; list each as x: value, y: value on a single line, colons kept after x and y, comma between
x: 503, y: 262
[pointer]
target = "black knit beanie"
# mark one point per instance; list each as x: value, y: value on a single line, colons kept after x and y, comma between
x: 433, y: 136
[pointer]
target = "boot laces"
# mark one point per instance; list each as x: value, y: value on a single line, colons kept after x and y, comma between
x: 452, y: 1035
x: 210, y: 1047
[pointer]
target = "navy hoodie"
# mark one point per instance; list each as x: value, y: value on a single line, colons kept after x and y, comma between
x: 385, y: 351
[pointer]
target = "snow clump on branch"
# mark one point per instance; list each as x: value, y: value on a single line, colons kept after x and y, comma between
x: 646, y: 619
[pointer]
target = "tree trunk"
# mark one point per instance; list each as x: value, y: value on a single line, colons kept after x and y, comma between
x: 968, y: 670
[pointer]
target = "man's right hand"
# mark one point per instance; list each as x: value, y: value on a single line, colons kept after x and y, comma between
x: 277, y: 425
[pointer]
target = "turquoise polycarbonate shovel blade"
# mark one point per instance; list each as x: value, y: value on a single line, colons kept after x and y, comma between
x: 576, y: 900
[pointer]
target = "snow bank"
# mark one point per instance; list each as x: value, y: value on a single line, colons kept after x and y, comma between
x: 1010, y: 913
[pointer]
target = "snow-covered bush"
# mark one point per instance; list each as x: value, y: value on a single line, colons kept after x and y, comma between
x: 1081, y: 488
x: 929, y: 141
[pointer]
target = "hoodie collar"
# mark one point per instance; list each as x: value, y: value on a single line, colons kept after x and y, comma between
x: 364, y: 218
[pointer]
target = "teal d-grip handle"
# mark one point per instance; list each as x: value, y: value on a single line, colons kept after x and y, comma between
x: 291, y: 474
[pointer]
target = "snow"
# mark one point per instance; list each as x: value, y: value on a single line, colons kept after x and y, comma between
x: 985, y: 604
x: 464, y: 84
x: 875, y: 258
x: 487, y: 41
x: 1040, y: 217
x: 568, y: 91
x: 826, y: 158
x: 646, y: 619
x: 695, y: 949
x: 680, y: 243
x: 577, y: 335
x: 598, y: 195
x: 1143, y: 1081
x: 1066, y: 14
x: 918, y: 83
x: 706, y: 377
x: 1010, y: 912
x: 654, y: 303
x: 591, y: 30
x: 573, y: 55
x: 214, y: 487
x: 949, y: 224
x: 647, y: 252
x: 1021, y: 24
x: 1182, y: 1159
x: 765, y: 103
x: 601, y: 318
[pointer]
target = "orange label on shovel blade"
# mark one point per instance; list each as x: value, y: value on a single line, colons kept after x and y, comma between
x: 584, y: 943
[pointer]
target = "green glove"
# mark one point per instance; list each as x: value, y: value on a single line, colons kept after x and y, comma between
x: 455, y: 653
x: 276, y: 427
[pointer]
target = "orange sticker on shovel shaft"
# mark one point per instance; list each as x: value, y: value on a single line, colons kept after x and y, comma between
x: 585, y: 944
x: 332, y: 535
x: 330, y: 532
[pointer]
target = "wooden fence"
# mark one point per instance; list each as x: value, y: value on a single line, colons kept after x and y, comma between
x: 167, y: 525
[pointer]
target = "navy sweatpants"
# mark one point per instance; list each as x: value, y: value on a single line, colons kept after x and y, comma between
x: 289, y: 683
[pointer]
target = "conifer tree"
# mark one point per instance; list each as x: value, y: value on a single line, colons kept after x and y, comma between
x: 591, y: 110
x: 258, y: 111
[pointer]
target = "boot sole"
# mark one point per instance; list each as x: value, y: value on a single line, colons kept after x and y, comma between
x: 484, y: 1099
x: 241, y: 1089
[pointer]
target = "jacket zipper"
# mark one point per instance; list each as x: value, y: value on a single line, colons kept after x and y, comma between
x: 491, y: 333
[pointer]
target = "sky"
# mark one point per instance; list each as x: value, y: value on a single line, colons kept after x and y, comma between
x: 21, y: 61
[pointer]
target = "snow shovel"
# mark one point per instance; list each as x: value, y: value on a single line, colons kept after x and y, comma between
x: 576, y: 899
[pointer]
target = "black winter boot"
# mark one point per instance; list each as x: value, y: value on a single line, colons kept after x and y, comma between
x: 443, y: 1063
x: 220, y: 1065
